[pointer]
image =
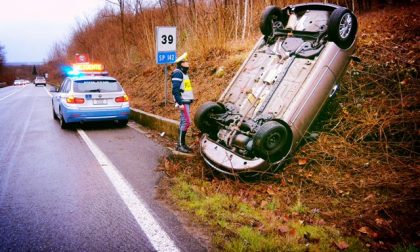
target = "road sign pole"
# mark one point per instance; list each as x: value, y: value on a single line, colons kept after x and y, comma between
x: 166, y: 84
x: 165, y: 50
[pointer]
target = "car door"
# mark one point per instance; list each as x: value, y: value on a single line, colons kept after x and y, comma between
x: 61, y: 92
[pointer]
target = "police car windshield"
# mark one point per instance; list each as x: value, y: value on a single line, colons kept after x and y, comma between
x: 88, y: 86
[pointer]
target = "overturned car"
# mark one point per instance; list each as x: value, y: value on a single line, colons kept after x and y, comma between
x: 278, y: 91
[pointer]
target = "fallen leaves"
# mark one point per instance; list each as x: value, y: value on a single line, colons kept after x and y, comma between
x: 369, y: 232
x: 283, y: 229
x: 263, y: 204
x: 302, y: 161
x: 283, y: 181
x: 370, y: 196
x: 364, y: 230
x: 381, y: 222
x: 166, y: 164
x: 292, y: 232
x: 341, y: 245
x: 270, y: 191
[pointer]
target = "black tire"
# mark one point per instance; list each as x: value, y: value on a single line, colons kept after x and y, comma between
x: 202, y: 118
x: 54, y: 114
x: 270, y: 14
x: 272, y: 141
x: 342, y: 27
x: 63, y: 123
x: 122, y: 123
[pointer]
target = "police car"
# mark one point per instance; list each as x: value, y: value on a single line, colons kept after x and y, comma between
x: 89, y: 96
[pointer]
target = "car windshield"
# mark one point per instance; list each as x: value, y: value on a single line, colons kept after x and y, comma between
x: 88, y: 86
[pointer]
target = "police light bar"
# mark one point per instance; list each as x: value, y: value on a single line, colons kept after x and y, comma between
x: 84, y: 69
x: 88, y: 67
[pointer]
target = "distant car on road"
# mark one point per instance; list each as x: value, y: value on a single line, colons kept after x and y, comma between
x: 279, y: 90
x: 39, y: 80
x: 18, y: 82
x: 90, y: 98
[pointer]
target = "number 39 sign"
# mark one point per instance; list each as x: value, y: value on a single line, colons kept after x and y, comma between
x: 165, y: 44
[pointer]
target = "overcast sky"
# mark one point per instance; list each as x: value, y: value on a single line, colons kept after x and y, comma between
x: 29, y: 28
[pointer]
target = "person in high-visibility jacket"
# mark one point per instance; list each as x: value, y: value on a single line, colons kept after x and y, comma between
x: 183, y: 95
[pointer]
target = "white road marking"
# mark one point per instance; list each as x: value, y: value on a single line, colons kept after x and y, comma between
x: 1, y: 99
x: 156, y: 235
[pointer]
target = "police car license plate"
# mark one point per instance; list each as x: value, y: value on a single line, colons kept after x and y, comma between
x: 99, y: 101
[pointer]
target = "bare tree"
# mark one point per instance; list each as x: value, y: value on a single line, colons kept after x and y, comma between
x: 237, y: 14
x: 191, y: 7
x: 2, y: 58
x: 138, y: 7
x: 171, y: 5
x: 121, y: 6
x: 191, y: 3
x: 245, y: 18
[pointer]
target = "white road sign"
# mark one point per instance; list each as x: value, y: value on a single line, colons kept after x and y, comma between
x: 165, y: 44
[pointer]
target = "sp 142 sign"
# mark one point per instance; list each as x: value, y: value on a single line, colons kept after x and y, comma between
x: 165, y: 44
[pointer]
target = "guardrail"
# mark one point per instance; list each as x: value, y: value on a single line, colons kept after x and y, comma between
x: 155, y: 122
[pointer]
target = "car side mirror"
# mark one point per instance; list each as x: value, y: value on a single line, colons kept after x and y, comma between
x: 53, y: 90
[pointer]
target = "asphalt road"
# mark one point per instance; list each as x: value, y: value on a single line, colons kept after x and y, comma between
x: 86, y: 189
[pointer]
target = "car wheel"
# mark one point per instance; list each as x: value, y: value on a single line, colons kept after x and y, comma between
x: 270, y: 15
x: 63, y: 123
x: 54, y: 114
x: 122, y: 123
x: 342, y: 27
x: 272, y: 141
x: 203, y: 120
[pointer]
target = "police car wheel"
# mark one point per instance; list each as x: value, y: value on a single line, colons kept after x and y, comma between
x: 54, y: 114
x: 122, y: 123
x: 63, y: 123
x: 272, y: 141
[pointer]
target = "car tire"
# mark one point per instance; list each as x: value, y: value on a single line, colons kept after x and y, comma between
x: 122, y: 123
x: 270, y: 14
x: 63, y: 123
x: 203, y: 120
x: 272, y: 141
x: 54, y: 114
x: 342, y: 27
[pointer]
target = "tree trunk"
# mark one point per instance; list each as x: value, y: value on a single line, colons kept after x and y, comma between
x: 245, y: 18
x: 237, y: 14
x: 138, y: 7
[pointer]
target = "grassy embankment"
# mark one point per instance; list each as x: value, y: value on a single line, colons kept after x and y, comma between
x: 355, y: 187
x: 359, y: 179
